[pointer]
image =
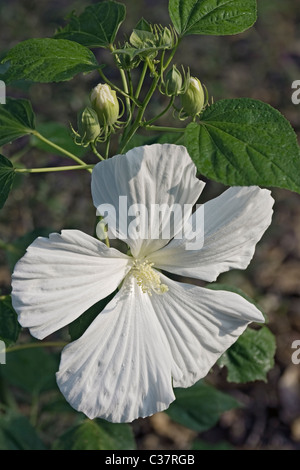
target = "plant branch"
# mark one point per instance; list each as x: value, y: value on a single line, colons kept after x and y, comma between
x: 172, y: 55
x: 112, y: 85
x: 57, y: 147
x: 54, y: 168
x: 46, y: 344
x: 137, y: 122
x: 164, y: 129
x: 162, y: 113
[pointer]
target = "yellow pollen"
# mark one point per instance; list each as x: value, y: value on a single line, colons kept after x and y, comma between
x: 147, y: 278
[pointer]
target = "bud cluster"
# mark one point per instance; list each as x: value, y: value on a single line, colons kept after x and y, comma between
x: 96, y: 122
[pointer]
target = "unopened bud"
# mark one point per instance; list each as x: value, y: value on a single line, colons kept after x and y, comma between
x: 173, y: 82
x: 88, y: 126
x: 105, y: 102
x: 101, y: 230
x: 167, y: 38
x: 193, y: 99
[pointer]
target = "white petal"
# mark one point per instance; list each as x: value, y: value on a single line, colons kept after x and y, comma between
x: 233, y: 223
x: 122, y: 367
x: 144, y: 178
x: 201, y: 324
x: 61, y: 277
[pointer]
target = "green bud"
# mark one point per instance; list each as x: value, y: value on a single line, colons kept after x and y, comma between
x: 88, y: 126
x: 105, y: 102
x: 167, y: 38
x: 127, y: 57
x: 173, y: 82
x: 193, y: 99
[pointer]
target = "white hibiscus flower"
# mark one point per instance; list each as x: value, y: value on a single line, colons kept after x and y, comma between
x: 156, y: 333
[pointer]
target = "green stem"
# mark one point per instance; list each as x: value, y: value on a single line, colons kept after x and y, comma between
x: 164, y: 129
x: 54, y: 168
x: 46, y: 344
x: 126, y: 89
x: 123, y: 78
x: 141, y: 81
x: 162, y: 65
x: 137, y: 94
x: 112, y: 85
x: 95, y: 151
x: 130, y: 83
x: 107, y: 147
x: 162, y: 113
x: 57, y: 147
x: 137, y: 122
x: 171, y: 55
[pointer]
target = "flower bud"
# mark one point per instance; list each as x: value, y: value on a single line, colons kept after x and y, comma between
x: 105, y: 102
x: 128, y: 59
x: 173, y: 82
x: 88, y: 126
x: 167, y: 38
x: 193, y: 99
x: 101, y: 230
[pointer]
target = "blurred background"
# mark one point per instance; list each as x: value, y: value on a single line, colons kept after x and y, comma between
x: 261, y: 63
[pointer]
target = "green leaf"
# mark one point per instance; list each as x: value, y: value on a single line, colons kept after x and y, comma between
x: 245, y: 142
x: 200, y: 406
x: 78, y: 326
x: 251, y: 357
x: 218, y: 17
x: 16, y: 433
x: 16, y: 119
x: 143, y: 25
x: 133, y: 52
x: 7, y: 175
x: 59, y: 135
x: 32, y: 370
x: 48, y: 60
x: 142, y: 39
x: 97, y: 435
x: 97, y: 26
x: 9, y: 326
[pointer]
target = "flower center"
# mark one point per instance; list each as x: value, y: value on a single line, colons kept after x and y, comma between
x: 148, y: 279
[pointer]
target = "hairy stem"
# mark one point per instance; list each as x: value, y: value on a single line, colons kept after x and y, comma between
x: 112, y: 85
x: 54, y: 168
x: 57, y: 147
x: 95, y: 151
x: 138, y: 120
x: 164, y: 129
x: 53, y: 344
x: 166, y: 65
x: 162, y: 113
